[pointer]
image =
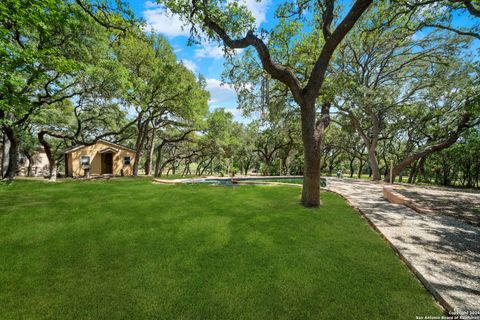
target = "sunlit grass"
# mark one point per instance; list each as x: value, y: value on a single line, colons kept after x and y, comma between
x: 130, y: 249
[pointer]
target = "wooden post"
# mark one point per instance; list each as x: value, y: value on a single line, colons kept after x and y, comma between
x: 391, y: 171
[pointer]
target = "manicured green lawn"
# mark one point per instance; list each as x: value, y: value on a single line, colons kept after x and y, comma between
x: 130, y: 249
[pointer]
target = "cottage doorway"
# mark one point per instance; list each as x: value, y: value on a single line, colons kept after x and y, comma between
x: 107, y: 163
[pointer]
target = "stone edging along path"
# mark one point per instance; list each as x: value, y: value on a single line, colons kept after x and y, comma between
x: 395, y: 197
x: 443, y: 252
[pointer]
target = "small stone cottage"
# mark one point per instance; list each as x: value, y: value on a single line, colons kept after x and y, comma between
x: 101, y: 158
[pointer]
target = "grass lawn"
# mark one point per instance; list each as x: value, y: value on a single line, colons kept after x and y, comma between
x: 130, y: 249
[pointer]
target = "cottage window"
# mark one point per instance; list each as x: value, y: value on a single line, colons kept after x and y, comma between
x: 85, y: 160
x: 126, y: 161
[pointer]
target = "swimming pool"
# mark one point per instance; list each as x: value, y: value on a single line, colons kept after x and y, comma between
x: 228, y: 181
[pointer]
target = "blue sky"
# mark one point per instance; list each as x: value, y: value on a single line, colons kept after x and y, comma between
x: 206, y: 59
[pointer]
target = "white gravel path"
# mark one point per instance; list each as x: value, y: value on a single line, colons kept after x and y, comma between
x: 443, y: 251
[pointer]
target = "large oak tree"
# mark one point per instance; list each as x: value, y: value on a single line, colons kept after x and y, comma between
x: 231, y: 24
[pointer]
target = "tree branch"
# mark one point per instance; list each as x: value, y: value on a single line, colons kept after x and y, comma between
x: 327, y: 16
x: 107, y: 25
x: 278, y: 72
x: 473, y: 11
x: 318, y: 72
x: 448, y: 28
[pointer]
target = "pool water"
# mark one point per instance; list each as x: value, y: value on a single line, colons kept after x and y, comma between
x: 228, y: 181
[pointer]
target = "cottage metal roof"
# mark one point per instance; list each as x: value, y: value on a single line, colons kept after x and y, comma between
x: 78, y: 147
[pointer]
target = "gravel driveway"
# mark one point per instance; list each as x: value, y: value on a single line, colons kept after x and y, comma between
x: 442, y: 250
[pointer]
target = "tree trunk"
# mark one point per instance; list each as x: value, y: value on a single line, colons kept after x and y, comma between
x: 419, y: 170
x: 3, y: 154
x: 446, y: 174
x: 425, y: 152
x: 351, y: 167
x: 209, y: 164
x: 360, y: 168
x: 139, y: 145
x: 330, y: 168
x: 158, y: 160
x: 48, y: 152
x: 311, y: 176
x: 266, y: 170
x: 31, y: 160
x: 449, y: 140
x: 246, y: 166
x: 149, y: 158
x: 413, y: 172
x: 477, y: 176
x: 373, y: 161
x: 370, y: 141
x: 199, y: 167
x: 12, y: 154
x: 312, y: 136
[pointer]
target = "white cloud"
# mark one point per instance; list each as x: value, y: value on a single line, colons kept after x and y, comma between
x: 209, y: 51
x: 234, y: 111
x: 190, y: 65
x: 258, y: 10
x: 150, y: 4
x: 160, y: 20
x: 220, y: 92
